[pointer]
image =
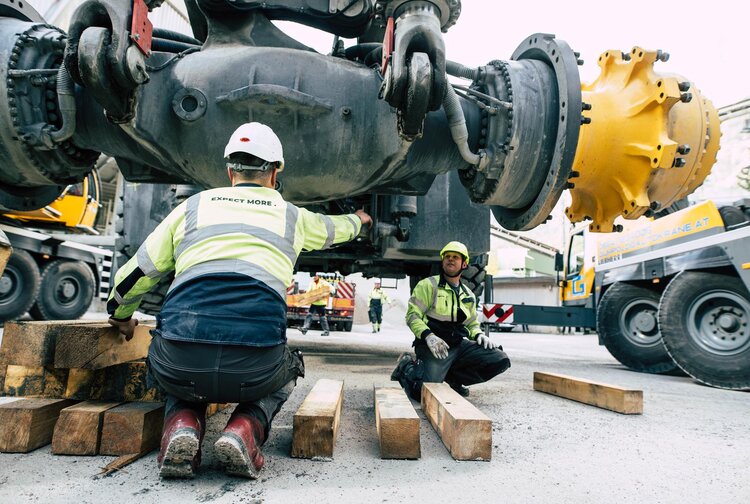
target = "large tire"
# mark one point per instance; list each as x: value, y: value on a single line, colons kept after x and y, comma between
x: 473, y: 277
x: 347, y: 326
x: 704, y: 319
x: 627, y: 324
x: 19, y: 285
x: 66, y: 291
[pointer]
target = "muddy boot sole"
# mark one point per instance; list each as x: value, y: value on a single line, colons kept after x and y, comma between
x: 231, y: 454
x: 178, y: 461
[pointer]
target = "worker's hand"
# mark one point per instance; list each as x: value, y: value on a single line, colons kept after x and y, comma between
x: 484, y: 340
x: 438, y: 347
x: 364, y: 217
x: 126, y: 327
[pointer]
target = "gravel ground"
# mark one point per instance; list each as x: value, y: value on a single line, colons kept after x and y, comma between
x: 692, y: 444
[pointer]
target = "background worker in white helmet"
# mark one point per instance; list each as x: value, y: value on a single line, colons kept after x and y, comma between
x: 376, y: 299
x: 449, y: 344
x: 221, y: 334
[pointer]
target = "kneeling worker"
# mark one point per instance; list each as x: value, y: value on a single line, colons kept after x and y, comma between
x: 221, y: 334
x: 449, y: 343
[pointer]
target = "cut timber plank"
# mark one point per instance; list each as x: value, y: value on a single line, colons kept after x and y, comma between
x: 27, y: 424
x: 3, y: 368
x: 214, y: 408
x: 35, y: 381
x: 32, y: 343
x: 132, y: 428
x: 99, y: 346
x: 397, y: 424
x: 627, y: 401
x: 79, y: 429
x: 316, y: 422
x: 465, y: 431
x: 122, y: 382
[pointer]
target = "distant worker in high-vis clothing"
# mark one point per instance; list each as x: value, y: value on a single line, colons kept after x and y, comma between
x: 318, y: 307
x: 376, y: 299
x: 220, y: 336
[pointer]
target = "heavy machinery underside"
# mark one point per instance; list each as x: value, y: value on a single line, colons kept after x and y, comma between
x: 377, y: 125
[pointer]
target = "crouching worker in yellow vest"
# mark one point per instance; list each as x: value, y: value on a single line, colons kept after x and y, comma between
x: 221, y: 334
x: 449, y: 344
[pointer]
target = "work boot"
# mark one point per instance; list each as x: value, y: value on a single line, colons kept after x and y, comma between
x: 404, y: 360
x: 374, y: 330
x: 325, y: 333
x: 462, y: 391
x: 238, y: 448
x: 180, y: 453
x: 303, y: 330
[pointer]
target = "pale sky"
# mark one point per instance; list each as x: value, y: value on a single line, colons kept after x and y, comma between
x: 707, y: 41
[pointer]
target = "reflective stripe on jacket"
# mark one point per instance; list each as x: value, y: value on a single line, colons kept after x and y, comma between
x: 435, y: 308
x: 246, y: 229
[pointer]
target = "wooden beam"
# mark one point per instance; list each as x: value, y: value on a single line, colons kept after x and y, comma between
x: 397, y: 424
x: 132, y: 428
x: 124, y: 382
x: 465, y: 431
x: 35, y: 381
x: 99, y: 346
x: 3, y: 368
x: 32, y: 343
x: 316, y: 422
x: 78, y: 431
x: 621, y: 400
x: 27, y: 424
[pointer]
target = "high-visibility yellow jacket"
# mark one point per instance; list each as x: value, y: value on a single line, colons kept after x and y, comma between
x: 435, y: 307
x: 317, y: 285
x: 222, y: 235
x: 378, y: 296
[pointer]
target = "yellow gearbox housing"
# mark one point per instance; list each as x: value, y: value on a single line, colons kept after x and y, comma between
x: 651, y: 140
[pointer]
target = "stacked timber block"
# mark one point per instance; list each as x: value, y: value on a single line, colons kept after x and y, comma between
x: 50, y: 366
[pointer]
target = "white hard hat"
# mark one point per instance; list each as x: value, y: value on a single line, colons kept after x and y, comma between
x: 258, y: 140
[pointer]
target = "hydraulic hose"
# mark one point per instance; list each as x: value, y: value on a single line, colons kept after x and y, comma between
x: 67, y: 104
x: 459, y: 70
x: 457, y: 124
x: 171, y: 46
x: 165, y: 34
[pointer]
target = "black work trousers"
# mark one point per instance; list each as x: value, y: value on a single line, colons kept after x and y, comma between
x: 193, y: 374
x: 376, y: 313
x: 468, y: 363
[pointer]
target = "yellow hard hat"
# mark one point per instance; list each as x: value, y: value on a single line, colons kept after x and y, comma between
x: 458, y: 248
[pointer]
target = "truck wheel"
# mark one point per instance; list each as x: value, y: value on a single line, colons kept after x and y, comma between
x: 627, y: 324
x: 348, y: 326
x: 705, y: 322
x: 66, y: 291
x: 19, y: 285
x: 473, y: 278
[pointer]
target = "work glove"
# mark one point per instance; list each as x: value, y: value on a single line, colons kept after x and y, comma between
x: 125, y: 327
x: 437, y: 346
x: 484, y: 340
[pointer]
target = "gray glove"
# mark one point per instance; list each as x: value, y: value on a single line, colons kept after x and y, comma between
x: 437, y: 346
x: 485, y: 342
